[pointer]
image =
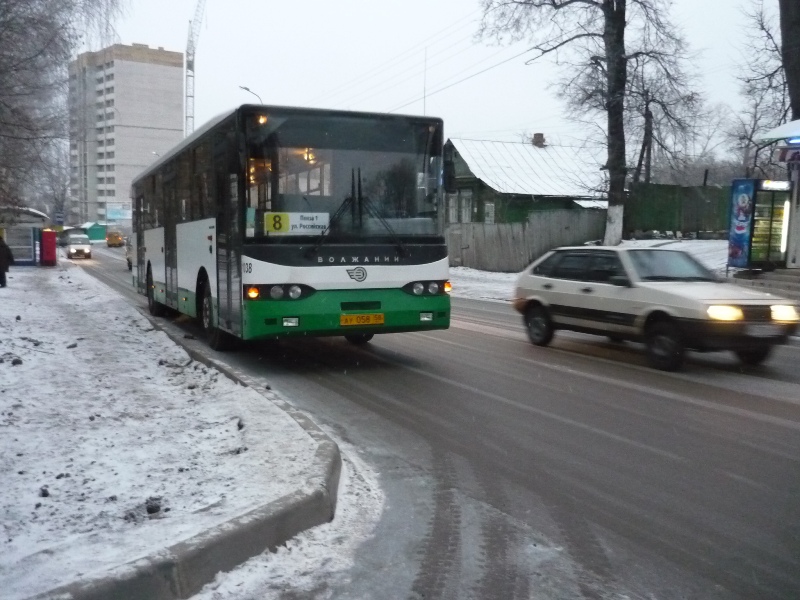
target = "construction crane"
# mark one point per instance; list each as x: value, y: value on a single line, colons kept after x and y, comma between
x: 191, y: 47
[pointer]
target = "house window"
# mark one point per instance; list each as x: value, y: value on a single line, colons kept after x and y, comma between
x: 452, y: 208
x: 488, y: 212
x: 465, y: 197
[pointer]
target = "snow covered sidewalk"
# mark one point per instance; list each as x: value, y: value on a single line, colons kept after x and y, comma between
x: 115, y: 443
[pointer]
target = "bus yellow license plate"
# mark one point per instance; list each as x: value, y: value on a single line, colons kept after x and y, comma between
x: 366, y: 319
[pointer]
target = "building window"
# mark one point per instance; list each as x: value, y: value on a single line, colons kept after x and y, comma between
x: 452, y: 208
x: 465, y: 196
x: 109, y: 103
x: 101, y: 180
x: 101, y: 155
x: 109, y: 167
x: 99, y: 92
x: 110, y: 129
x: 101, y: 168
x: 110, y: 142
x: 110, y: 193
x: 99, y: 131
x: 110, y: 77
x: 110, y: 90
x: 101, y: 118
x: 110, y: 154
x: 100, y: 142
x: 110, y: 180
x: 101, y: 192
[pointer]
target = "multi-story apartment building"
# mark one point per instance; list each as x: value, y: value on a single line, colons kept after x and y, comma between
x: 125, y: 109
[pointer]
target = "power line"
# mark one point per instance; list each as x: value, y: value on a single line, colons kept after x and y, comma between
x: 417, y: 99
x: 347, y: 85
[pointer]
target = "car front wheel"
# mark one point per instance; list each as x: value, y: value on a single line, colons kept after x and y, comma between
x: 539, y: 325
x: 665, y: 350
x: 754, y: 356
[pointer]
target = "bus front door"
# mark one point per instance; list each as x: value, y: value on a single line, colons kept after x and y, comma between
x: 229, y: 279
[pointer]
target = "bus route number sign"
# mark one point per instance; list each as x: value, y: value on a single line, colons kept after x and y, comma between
x: 295, y: 223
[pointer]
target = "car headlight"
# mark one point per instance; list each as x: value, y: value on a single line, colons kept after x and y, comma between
x: 725, y: 313
x: 784, y: 312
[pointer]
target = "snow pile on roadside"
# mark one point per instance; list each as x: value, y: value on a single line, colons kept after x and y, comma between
x: 116, y: 444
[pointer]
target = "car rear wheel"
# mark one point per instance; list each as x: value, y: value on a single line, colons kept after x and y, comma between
x: 359, y: 338
x: 665, y: 350
x: 754, y: 356
x: 539, y: 325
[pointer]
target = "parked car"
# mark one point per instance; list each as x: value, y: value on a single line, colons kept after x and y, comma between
x: 79, y: 246
x: 664, y: 298
x: 114, y: 239
x: 129, y: 253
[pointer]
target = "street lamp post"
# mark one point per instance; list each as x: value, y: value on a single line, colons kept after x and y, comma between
x: 247, y: 89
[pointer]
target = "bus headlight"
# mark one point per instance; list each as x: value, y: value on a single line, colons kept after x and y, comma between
x: 276, y: 292
x: 433, y: 287
x: 295, y: 292
x: 785, y: 313
x: 417, y: 288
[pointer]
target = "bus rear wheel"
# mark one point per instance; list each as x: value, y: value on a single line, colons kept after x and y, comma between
x: 217, y: 339
x: 359, y: 338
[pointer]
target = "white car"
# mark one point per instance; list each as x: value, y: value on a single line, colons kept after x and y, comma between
x: 79, y: 246
x: 664, y: 298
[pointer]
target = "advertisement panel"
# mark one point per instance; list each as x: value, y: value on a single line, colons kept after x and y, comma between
x: 741, y: 223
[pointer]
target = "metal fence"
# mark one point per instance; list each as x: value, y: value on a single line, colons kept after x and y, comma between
x: 509, y: 247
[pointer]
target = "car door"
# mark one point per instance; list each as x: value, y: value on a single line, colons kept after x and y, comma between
x: 570, y: 306
x: 612, y: 305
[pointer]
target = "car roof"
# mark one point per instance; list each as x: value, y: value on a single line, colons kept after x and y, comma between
x: 615, y: 248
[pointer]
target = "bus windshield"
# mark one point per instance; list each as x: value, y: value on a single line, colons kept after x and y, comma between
x: 344, y: 178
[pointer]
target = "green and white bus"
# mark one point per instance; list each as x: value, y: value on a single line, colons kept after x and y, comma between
x: 270, y: 222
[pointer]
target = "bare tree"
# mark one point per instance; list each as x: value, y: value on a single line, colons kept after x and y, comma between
x: 790, y: 51
x: 764, y: 87
x: 598, y: 40
x: 37, y: 38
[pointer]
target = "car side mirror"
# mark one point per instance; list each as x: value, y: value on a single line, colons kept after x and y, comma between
x: 620, y: 280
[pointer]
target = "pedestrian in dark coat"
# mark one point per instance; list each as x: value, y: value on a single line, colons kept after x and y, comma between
x: 6, y: 260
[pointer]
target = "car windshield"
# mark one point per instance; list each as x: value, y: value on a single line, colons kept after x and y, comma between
x: 668, y: 265
x: 79, y: 239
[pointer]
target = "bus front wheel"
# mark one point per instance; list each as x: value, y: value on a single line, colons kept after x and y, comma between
x: 153, y: 306
x: 217, y: 339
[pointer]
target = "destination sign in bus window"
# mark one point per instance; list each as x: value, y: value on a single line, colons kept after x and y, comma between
x: 295, y: 223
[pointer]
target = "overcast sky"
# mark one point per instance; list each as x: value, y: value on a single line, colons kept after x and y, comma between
x: 398, y: 56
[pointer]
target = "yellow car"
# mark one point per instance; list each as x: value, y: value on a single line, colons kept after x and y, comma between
x: 114, y: 239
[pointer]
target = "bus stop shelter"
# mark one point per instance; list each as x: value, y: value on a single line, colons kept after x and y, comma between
x: 20, y: 227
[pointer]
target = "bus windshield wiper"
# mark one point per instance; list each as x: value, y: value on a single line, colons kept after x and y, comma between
x: 372, y: 210
x: 348, y: 201
x: 356, y: 201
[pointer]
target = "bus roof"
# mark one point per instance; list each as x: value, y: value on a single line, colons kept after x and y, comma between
x: 211, y: 124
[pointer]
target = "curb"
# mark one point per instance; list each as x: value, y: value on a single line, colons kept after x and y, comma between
x: 182, y: 570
